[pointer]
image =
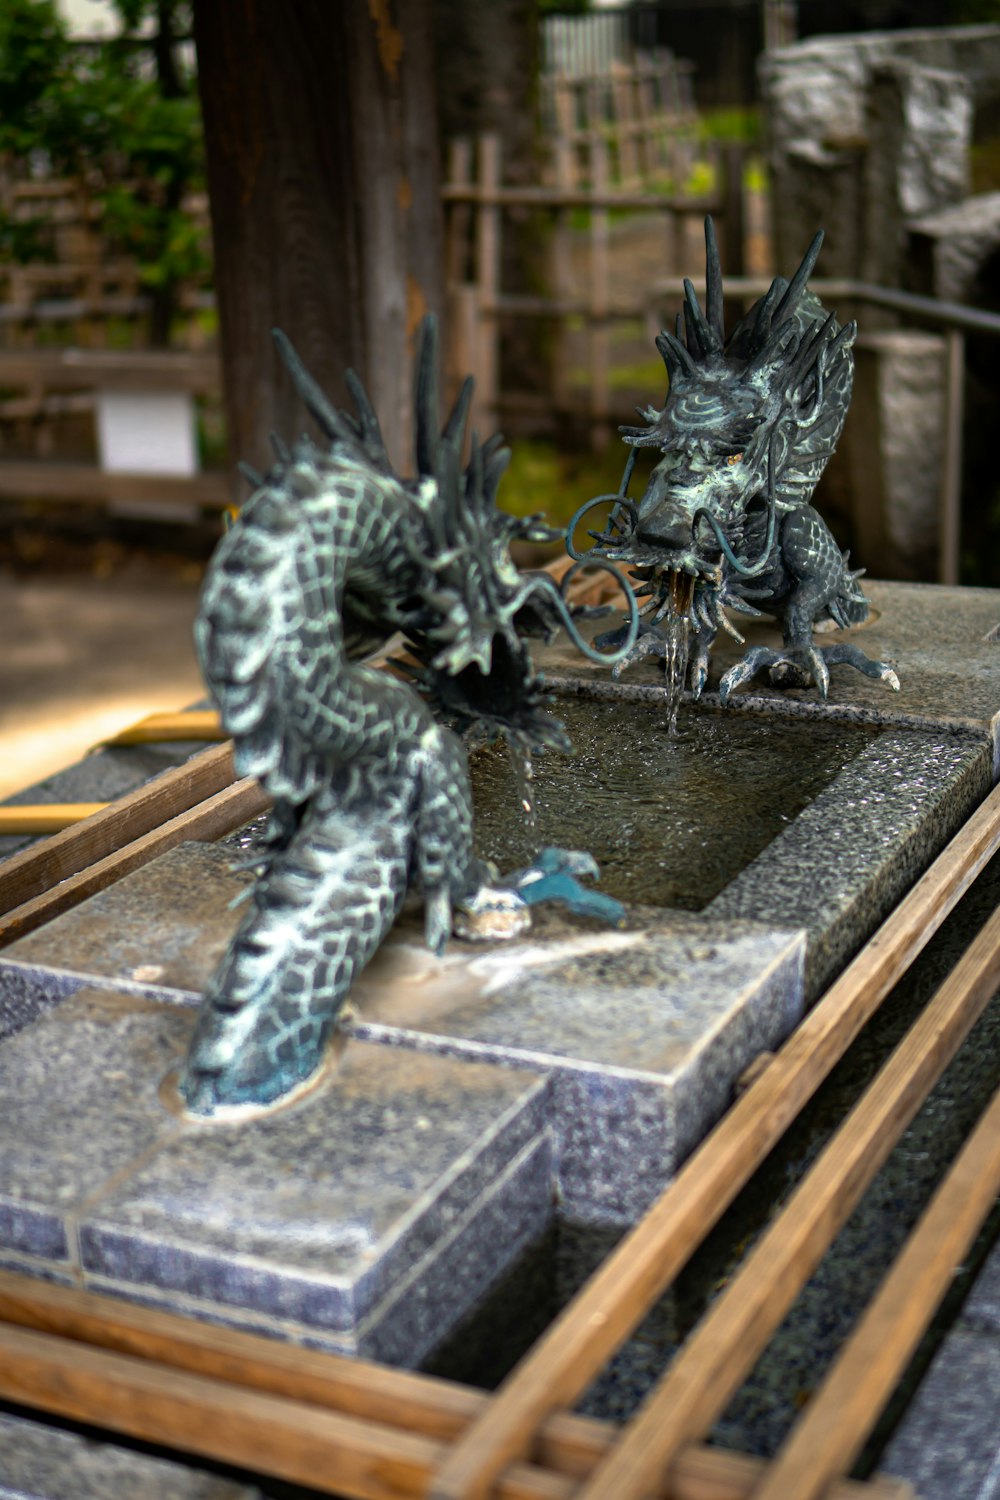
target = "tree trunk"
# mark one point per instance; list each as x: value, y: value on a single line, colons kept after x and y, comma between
x: 324, y: 182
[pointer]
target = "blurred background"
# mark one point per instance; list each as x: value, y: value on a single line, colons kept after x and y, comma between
x: 178, y: 178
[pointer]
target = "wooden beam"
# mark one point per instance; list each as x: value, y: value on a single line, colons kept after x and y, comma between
x: 195, y: 724
x: 110, y: 370
x: 828, y: 1438
x: 379, y: 1396
x: 33, y: 871
x: 26, y: 480
x: 724, y: 1348
x: 211, y: 819
x: 45, y: 817
x: 611, y: 1304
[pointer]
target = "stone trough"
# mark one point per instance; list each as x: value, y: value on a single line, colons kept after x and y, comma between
x: 472, y: 1101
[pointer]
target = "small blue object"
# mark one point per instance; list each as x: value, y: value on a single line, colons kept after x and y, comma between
x: 553, y: 877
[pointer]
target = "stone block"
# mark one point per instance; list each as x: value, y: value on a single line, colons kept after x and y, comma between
x: 643, y: 1031
x: 948, y: 1444
x: 894, y: 450
x: 949, y: 248
x: 981, y: 1312
x: 398, y: 1171
x: 43, y: 1462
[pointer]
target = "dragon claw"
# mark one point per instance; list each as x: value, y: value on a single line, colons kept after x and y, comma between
x: 801, y: 666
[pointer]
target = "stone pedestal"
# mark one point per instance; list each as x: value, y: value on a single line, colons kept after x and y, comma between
x: 363, y: 1218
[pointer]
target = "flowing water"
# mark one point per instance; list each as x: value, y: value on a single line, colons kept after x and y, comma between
x: 670, y: 818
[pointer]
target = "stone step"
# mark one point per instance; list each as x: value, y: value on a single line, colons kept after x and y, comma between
x: 365, y: 1217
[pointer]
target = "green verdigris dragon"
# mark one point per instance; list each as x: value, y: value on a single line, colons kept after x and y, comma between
x: 331, y: 556
x: 746, y: 430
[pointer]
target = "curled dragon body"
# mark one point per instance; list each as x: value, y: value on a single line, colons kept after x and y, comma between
x: 332, y: 555
x: 725, y: 523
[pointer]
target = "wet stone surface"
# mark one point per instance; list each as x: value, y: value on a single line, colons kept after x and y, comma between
x: 642, y: 1030
x: 670, y: 819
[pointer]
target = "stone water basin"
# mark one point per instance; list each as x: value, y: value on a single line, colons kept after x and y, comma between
x: 670, y: 818
x: 762, y: 846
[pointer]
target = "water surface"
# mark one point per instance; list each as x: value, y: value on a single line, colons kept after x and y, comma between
x: 670, y: 819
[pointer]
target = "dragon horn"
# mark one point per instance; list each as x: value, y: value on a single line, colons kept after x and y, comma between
x: 713, y: 285
x: 699, y: 334
x: 762, y: 322
x: 772, y: 352
x: 810, y: 347
x: 496, y: 457
x: 371, y: 432
x: 674, y: 355
x: 797, y: 284
x: 280, y: 447
x: 425, y: 399
x: 448, y: 458
x: 334, y: 423
x: 474, y: 473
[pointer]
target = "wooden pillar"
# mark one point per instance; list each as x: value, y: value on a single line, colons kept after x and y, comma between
x: 323, y: 174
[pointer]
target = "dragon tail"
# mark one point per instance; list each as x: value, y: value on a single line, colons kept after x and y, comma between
x: 272, y: 1005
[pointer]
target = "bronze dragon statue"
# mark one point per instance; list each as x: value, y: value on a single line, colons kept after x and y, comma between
x: 748, y: 425
x: 332, y: 555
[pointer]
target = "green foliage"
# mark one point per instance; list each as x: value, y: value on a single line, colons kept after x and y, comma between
x: 543, y: 478
x: 123, y: 122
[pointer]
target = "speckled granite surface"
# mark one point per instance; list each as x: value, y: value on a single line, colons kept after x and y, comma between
x: 400, y: 1173
x: 642, y: 1031
x: 40, y: 1462
x: 949, y: 1445
x: 943, y: 641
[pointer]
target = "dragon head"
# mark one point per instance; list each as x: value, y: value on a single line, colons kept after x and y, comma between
x: 747, y: 426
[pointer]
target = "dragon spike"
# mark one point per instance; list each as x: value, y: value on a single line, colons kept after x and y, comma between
x: 496, y: 457
x: 674, y: 354
x: 281, y: 450
x: 812, y: 342
x: 797, y: 285
x: 773, y: 352
x: 845, y: 338
x: 426, y: 398
x: 474, y: 473
x: 699, y: 335
x: 453, y: 432
x: 765, y: 308
x: 335, y: 424
x: 371, y: 432
x: 713, y: 285
x: 250, y: 474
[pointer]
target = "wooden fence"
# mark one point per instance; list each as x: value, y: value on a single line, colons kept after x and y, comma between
x: 581, y: 205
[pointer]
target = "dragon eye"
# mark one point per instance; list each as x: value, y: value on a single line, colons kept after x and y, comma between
x: 734, y: 458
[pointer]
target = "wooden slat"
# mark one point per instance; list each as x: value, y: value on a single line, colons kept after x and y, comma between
x: 85, y: 483
x: 35, y: 870
x: 210, y: 819
x: 215, y: 1420
x: 436, y: 1409
x: 568, y: 1357
x: 105, y: 369
x: 45, y: 817
x: 714, y: 1361
x: 828, y: 1438
x: 194, y: 724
